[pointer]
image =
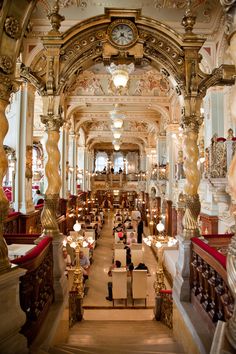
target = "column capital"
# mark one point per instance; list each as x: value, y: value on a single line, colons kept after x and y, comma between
x: 192, y: 123
x: 229, y: 8
x: 52, y: 122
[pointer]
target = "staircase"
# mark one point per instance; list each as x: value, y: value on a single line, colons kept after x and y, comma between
x: 119, y: 337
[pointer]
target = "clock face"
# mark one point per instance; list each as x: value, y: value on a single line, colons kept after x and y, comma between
x: 122, y: 34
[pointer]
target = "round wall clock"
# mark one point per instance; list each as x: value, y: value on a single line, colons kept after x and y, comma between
x: 122, y: 33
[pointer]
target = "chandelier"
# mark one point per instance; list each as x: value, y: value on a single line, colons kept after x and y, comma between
x: 120, y: 74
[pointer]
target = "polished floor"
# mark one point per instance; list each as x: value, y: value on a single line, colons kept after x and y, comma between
x: 96, y: 286
x: 114, y: 330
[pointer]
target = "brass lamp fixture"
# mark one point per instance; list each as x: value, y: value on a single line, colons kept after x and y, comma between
x: 120, y: 74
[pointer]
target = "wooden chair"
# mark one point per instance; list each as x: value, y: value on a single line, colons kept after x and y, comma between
x: 119, y: 285
x: 139, y: 285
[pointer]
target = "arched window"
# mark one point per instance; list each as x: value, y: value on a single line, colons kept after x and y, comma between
x: 101, y: 161
x: 118, y: 162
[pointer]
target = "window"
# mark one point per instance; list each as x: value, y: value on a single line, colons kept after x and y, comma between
x: 101, y: 161
x: 118, y: 162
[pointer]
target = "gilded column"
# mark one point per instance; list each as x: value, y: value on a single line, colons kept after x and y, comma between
x: 191, y: 154
x: 48, y: 216
x: 5, y: 87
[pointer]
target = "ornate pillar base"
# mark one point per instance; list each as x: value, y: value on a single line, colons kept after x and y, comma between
x: 12, y: 317
x: 181, y: 286
x: 60, y: 281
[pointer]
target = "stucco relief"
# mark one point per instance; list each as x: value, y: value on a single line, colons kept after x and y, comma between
x: 86, y: 84
x: 152, y: 83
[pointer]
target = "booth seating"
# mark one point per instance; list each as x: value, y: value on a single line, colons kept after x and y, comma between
x: 119, y: 285
x: 136, y: 246
x: 170, y: 257
x: 119, y: 246
x: 117, y: 238
x: 120, y: 255
x: 139, y: 285
x: 136, y: 256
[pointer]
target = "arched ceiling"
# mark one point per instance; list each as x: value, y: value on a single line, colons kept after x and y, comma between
x: 146, y: 101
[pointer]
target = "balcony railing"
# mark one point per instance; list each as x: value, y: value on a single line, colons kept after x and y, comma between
x: 209, y: 278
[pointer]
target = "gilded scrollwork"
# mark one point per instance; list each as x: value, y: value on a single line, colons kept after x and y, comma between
x: 6, y: 64
x: 12, y: 27
x: 27, y: 74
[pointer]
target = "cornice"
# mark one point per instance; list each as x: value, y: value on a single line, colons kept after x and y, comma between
x: 111, y: 100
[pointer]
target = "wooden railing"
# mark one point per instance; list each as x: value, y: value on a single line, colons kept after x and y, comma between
x: 164, y: 311
x: 209, y: 285
x: 36, y: 286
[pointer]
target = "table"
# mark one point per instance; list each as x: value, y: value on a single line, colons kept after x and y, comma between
x: 19, y: 250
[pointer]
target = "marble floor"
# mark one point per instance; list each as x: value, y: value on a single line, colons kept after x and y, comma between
x: 96, y: 286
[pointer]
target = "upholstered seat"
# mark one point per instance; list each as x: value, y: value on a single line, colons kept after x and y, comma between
x: 139, y: 285
x: 136, y: 256
x: 119, y: 284
x: 120, y: 255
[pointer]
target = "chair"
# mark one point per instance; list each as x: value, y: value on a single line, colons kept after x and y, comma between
x: 137, y: 256
x: 119, y: 285
x: 120, y: 255
x: 40, y: 201
x: 136, y: 246
x: 139, y: 285
x: 119, y: 246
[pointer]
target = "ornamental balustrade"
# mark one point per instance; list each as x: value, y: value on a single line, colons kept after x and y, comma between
x: 210, y: 291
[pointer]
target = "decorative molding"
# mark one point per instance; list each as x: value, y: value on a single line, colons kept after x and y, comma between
x: 12, y: 27
x: 6, y: 64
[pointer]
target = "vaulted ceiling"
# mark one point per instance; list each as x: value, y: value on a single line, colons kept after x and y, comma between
x: 149, y: 98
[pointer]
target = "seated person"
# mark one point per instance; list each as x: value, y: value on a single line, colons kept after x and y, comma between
x: 37, y: 197
x: 85, y: 264
x: 117, y: 264
x: 141, y: 266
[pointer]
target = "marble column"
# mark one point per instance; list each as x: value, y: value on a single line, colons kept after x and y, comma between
x: 48, y: 217
x: 231, y: 257
x: 81, y: 164
x: 24, y: 148
x: 64, y: 157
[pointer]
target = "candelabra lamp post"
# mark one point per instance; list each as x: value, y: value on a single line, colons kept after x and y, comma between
x: 76, y: 241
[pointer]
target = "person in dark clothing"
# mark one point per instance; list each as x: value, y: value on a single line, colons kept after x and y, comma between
x: 117, y: 264
x: 140, y: 230
x: 141, y: 266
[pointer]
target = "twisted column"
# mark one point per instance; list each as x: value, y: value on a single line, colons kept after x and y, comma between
x: 191, y: 153
x: 5, y: 87
x: 48, y: 216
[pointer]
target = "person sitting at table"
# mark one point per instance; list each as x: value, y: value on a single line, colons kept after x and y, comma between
x: 85, y: 264
x: 117, y: 264
x: 141, y: 266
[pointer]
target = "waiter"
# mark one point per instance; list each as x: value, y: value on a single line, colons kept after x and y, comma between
x: 139, y: 230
